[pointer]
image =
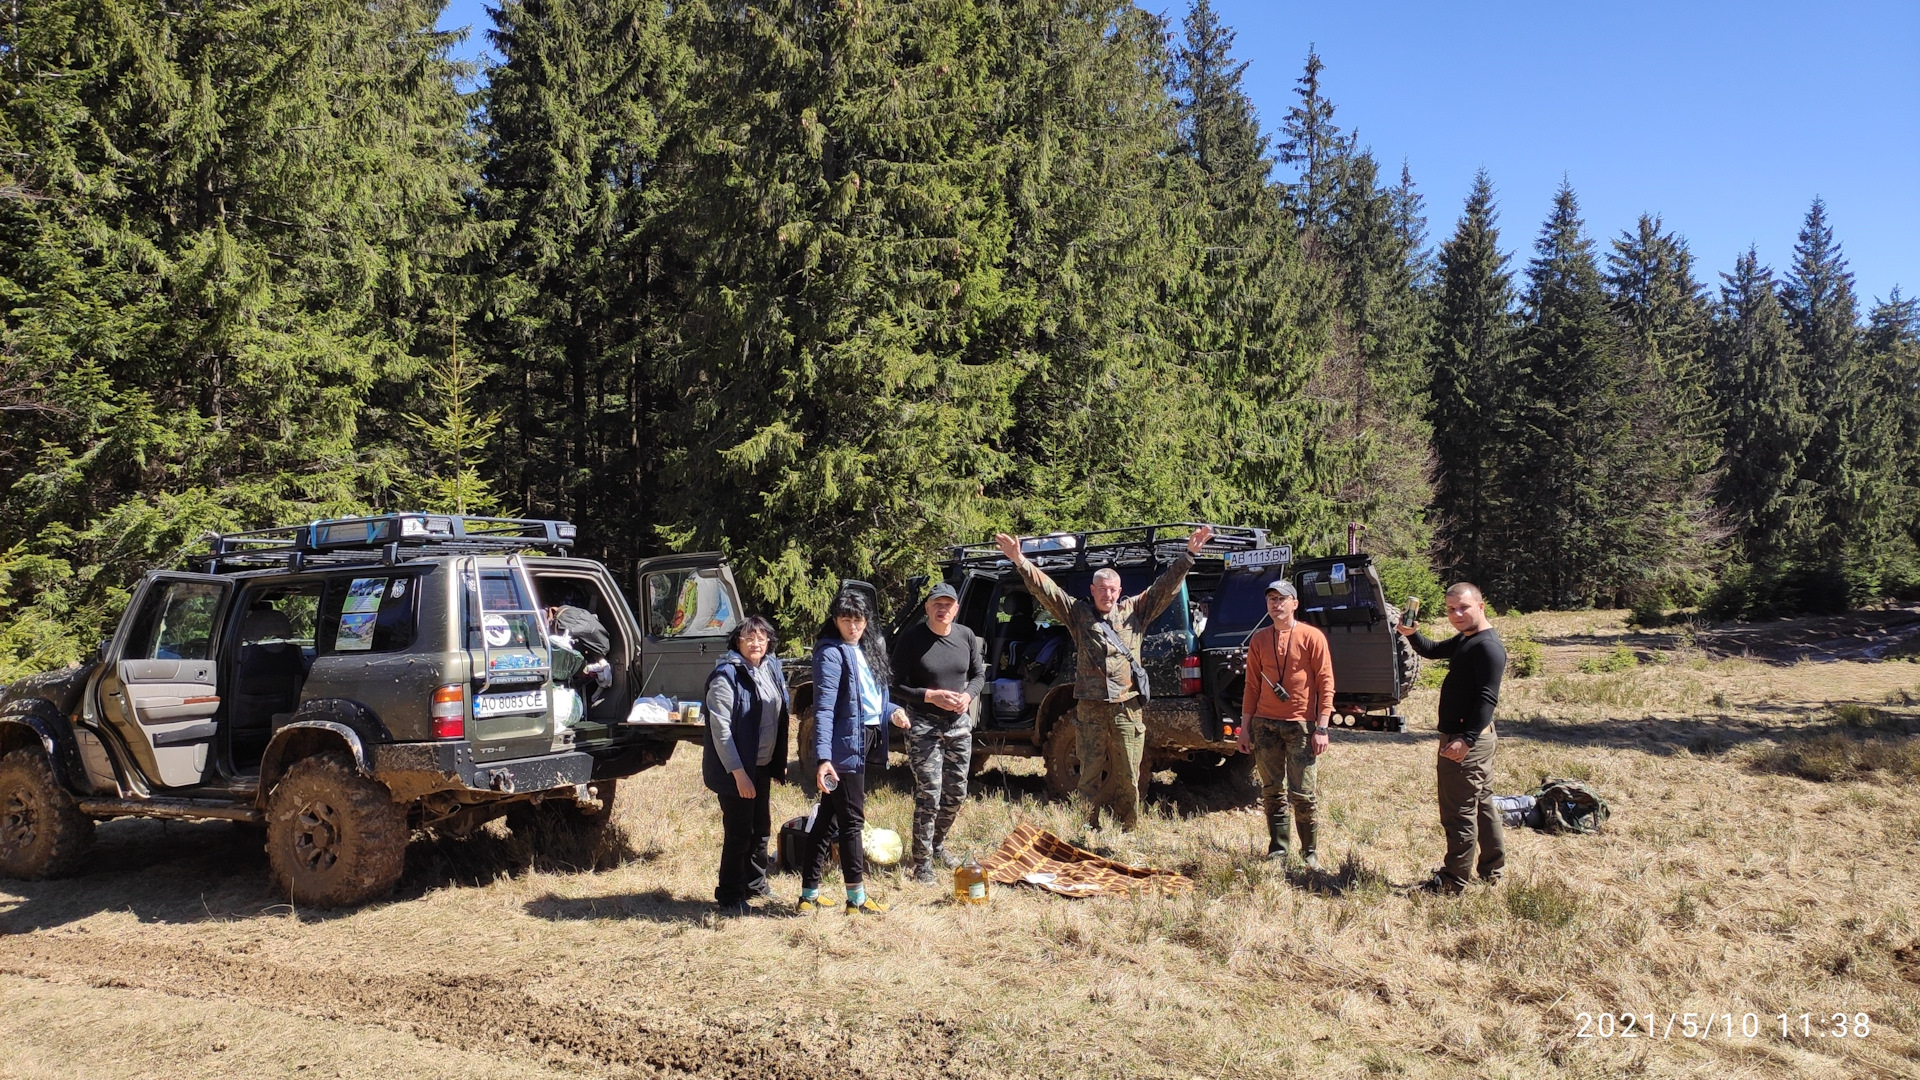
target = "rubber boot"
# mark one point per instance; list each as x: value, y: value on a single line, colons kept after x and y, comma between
x: 1279, y: 827
x: 1309, y: 834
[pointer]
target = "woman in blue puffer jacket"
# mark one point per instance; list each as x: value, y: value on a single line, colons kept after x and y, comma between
x: 851, y: 708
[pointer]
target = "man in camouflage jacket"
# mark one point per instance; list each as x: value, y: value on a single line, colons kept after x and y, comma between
x: 1107, y: 710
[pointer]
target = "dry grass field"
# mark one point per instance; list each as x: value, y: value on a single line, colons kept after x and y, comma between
x: 1761, y: 860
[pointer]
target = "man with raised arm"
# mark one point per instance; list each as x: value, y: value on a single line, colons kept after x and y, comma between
x: 1476, y: 660
x: 1108, y: 679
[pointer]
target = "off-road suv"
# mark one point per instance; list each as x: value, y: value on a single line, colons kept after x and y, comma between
x: 1194, y: 653
x: 1028, y: 708
x: 1373, y: 666
x: 347, y: 682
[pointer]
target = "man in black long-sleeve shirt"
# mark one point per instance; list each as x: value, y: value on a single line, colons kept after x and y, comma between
x: 1476, y: 660
x: 937, y: 673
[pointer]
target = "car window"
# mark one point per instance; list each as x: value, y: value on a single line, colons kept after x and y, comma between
x: 370, y: 613
x: 506, y: 618
x: 176, y: 622
x: 688, y: 604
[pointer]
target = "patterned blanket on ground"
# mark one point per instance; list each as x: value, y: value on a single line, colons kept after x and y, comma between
x: 1038, y: 857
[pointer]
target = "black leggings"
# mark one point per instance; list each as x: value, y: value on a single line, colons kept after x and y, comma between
x: 842, y: 810
x: 745, y: 824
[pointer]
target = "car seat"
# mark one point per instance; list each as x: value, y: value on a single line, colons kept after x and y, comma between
x: 266, y: 682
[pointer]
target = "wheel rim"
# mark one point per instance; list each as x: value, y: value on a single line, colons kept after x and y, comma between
x: 316, y: 837
x: 19, y: 823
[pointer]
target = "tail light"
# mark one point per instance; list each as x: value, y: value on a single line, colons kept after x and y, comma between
x: 1190, y: 675
x: 449, y: 712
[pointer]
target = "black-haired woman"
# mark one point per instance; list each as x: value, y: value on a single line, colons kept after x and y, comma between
x: 746, y: 707
x: 851, y: 708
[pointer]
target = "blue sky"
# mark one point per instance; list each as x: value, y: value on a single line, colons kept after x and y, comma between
x: 1726, y: 118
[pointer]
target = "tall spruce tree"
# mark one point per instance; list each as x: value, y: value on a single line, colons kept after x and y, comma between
x: 1377, y: 370
x: 1766, y: 425
x: 1845, y: 461
x: 1248, y: 345
x: 577, y: 299
x: 232, y: 223
x: 1583, y: 531
x: 1471, y: 367
x: 1893, y: 349
x: 842, y: 365
x: 1674, y: 439
x: 1313, y: 144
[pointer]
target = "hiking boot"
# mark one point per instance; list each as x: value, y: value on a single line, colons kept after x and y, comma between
x: 734, y: 910
x: 923, y: 873
x: 946, y: 858
x: 1279, y: 855
x: 1439, y: 885
x: 809, y: 905
x: 867, y: 906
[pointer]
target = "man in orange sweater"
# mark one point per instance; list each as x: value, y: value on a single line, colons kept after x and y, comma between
x: 1284, y: 717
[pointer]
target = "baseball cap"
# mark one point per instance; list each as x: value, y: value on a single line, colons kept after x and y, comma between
x: 1283, y: 587
x: 943, y: 590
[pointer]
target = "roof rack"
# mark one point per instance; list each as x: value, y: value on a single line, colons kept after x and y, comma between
x: 1098, y: 548
x: 380, y: 539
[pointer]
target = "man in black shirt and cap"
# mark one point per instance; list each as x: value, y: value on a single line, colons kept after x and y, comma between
x: 937, y: 674
x: 1476, y: 660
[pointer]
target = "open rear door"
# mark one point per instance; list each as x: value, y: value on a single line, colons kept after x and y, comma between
x: 161, y: 690
x: 689, y: 606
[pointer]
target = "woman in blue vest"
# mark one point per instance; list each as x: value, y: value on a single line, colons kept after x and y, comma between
x: 851, y: 708
x: 746, y: 751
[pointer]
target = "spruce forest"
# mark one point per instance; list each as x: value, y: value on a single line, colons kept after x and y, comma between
x: 828, y: 284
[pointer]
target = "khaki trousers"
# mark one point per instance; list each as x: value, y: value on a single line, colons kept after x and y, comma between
x: 1468, y: 815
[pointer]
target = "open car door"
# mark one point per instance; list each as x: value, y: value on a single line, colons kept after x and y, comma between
x: 161, y: 689
x: 689, y: 606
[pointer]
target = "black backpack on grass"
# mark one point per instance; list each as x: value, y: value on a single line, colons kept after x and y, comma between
x: 1570, y: 806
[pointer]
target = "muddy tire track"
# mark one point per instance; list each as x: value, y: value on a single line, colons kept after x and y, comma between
x: 479, y: 1011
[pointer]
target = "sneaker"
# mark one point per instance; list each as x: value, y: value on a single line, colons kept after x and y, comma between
x: 947, y: 858
x: 868, y: 906
x: 1439, y: 885
x: 923, y: 873
x: 1279, y: 855
x: 1310, y: 860
x: 809, y: 905
x: 734, y: 910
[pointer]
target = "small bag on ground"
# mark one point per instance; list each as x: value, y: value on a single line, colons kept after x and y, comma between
x: 1570, y: 806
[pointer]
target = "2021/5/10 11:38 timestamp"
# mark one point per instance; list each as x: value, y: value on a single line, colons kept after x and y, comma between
x: 1690, y: 1025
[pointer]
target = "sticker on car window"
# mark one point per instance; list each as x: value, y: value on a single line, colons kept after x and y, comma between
x: 356, y: 632
x: 363, y: 594
x: 1337, y: 573
x: 497, y: 631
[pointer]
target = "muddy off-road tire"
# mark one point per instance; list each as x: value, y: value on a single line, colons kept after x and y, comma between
x: 1403, y: 652
x: 1062, y: 756
x: 558, y: 831
x: 334, y: 837
x: 42, y: 833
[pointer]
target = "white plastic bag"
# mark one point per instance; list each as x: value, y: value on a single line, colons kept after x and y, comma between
x: 650, y: 710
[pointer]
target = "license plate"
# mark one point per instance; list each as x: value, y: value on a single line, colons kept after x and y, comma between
x: 1261, y: 556
x: 486, y: 705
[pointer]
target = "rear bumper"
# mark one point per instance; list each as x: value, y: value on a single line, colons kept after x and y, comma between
x: 411, y: 770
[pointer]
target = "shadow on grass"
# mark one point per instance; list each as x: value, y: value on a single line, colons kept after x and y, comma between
x: 657, y: 905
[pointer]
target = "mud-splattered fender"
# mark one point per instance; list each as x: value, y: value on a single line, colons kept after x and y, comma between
x: 35, y: 722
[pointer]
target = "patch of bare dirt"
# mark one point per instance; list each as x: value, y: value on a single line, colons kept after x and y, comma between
x: 1856, y: 635
x: 473, y: 1010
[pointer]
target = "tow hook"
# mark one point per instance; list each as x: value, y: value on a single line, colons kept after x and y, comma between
x: 502, y: 781
x: 587, y: 798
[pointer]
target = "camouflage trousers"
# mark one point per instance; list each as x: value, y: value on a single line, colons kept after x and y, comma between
x: 1283, y: 752
x: 939, y: 756
x: 1112, y: 741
